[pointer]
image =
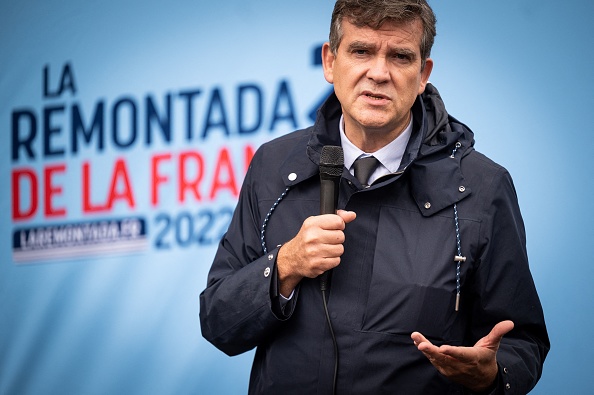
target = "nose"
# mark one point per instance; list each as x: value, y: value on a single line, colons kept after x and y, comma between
x: 378, y: 70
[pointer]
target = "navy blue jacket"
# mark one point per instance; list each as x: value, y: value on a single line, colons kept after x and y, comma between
x: 397, y: 274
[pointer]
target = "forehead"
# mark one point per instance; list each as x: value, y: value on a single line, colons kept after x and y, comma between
x: 393, y: 34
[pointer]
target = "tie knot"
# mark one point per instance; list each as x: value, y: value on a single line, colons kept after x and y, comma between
x: 364, y: 167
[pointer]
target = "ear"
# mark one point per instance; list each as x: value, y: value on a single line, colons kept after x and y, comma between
x: 328, y: 62
x: 425, y: 75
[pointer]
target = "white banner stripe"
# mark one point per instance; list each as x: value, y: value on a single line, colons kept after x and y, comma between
x: 137, y: 245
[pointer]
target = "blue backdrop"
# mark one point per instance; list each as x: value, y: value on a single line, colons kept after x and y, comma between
x: 126, y: 127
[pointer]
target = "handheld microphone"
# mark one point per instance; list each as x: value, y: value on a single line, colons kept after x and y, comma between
x: 331, y: 165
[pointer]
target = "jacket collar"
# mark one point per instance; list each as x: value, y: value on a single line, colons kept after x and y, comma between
x: 437, y: 180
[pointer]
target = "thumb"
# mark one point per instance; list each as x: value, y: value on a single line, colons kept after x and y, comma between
x: 494, y: 337
x: 347, y: 216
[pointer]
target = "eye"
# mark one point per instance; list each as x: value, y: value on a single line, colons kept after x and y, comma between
x: 402, y: 56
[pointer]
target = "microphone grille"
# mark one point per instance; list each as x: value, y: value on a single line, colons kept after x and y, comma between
x: 331, y: 160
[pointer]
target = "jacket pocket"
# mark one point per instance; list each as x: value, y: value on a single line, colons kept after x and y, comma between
x: 412, y: 285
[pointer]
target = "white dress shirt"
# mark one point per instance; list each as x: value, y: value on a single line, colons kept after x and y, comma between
x: 389, y: 156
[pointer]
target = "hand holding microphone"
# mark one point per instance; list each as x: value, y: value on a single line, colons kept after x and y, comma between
x: 318, y: 245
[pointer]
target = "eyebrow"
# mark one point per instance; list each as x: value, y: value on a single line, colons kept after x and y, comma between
x: 358, y: 45
x: 403, y: 51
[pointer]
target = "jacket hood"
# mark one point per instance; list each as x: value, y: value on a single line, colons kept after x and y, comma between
x: 436, y: 116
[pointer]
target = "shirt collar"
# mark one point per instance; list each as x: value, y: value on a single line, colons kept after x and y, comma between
x: 389, y: 156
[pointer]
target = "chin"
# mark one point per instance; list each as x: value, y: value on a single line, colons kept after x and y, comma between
x: 373, y: 123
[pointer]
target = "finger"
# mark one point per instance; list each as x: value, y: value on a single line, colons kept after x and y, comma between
x: 500, y: 330
x: 424, y: 345
x: 418, y: 338
x: 332, y: 251
x: 430, y: 351
x: 347, y: 216
x: 324, y: 221
x: 330, y: 237
x: 494, y: 337
x: 330, y: 263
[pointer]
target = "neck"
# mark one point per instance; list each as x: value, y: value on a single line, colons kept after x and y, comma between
x: 370, y: 140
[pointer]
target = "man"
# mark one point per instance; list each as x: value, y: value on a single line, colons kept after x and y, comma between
x: 430, y: 289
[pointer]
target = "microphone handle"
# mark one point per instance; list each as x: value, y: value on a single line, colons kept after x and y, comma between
x: 328, y: 194
x: 328, y: 203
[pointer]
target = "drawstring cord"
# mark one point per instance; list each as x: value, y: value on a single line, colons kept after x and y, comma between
x: 265, y: 223
x: 458, y: 258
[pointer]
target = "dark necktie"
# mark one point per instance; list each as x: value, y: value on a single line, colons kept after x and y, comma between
x: 363, y: 169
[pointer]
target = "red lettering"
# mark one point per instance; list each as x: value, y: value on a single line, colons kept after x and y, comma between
x: 224, y: 166
x: 20, y: 213
x: 89, y: 207
x: 156, y: 177
x: 186, y: 184
x: 120, y: 174
x: 51, y: 190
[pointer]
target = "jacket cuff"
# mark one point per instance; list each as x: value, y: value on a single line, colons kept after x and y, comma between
x: 282, y: 308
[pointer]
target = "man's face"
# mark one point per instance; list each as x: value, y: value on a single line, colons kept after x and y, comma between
x: 377, y: 77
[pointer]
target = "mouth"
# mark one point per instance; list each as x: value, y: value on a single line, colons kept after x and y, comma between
x: 375, y: 96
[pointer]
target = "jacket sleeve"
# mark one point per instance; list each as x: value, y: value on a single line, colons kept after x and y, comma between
x: 504, y: 290
x: 237, y: 308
